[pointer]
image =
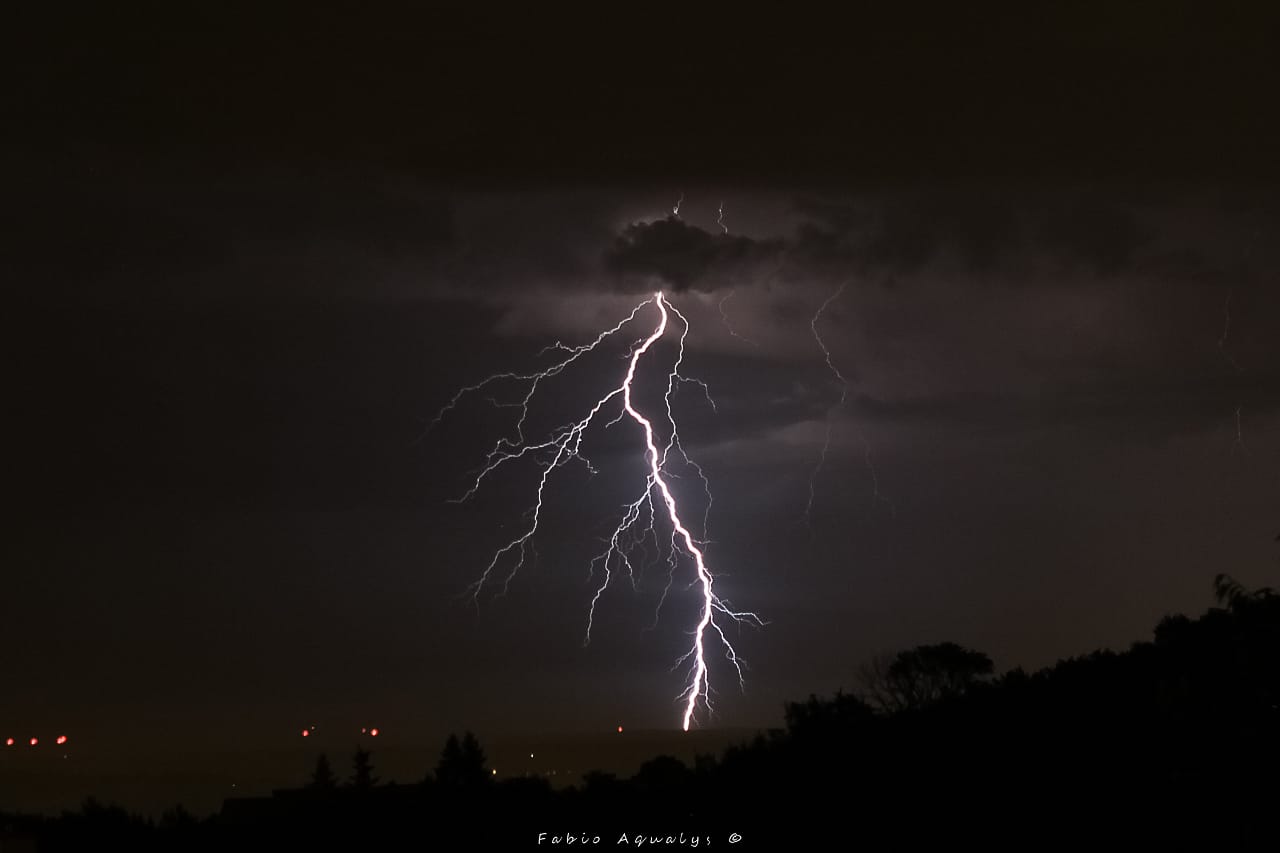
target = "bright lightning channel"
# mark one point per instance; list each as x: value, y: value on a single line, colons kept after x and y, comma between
x: 565, y: 445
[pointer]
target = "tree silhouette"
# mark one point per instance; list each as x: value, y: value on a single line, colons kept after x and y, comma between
x: 450, y: 761
x: 921, y: 676
x: 474, y: 760
x: 817, y: 718
x: 322, y: 777
x: 1232, y: 594
x: 663, y: 773
x: 599, y: 782
x: 462, y: 763
x: 362, y: 777
x: 178, y: 819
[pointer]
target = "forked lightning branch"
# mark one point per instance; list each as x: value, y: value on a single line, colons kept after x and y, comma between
x: 655, y: 507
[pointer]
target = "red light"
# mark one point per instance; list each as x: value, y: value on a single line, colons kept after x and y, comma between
x: 8, y: 742
x: 364, y: 731
x: 373, y: 732
x: 61, y: 740
x: 619, y: 729
x: 34, y: 741
x: 306, y: 733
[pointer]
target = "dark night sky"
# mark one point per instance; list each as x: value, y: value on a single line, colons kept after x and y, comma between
x: 246, y: 261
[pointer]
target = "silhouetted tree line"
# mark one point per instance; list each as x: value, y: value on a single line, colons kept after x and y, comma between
x: 1176, y: 736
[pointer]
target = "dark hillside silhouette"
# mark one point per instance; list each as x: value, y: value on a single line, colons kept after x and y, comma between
x: 1176, y: 735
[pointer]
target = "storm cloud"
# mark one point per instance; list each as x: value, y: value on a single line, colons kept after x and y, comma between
x: 686, y: 257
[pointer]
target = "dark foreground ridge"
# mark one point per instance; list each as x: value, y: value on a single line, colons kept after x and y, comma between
x: 1174, y: 737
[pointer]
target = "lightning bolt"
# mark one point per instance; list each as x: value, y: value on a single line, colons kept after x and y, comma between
x: 639, y: 522
x: 844, y: 396
x: 1226, y: 354
x: 728, y: 324
x: 724, y: 300
x: 1240, y: 432
x: 1226, y: 332
x: 675, y: 210
x: 867, y: 459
